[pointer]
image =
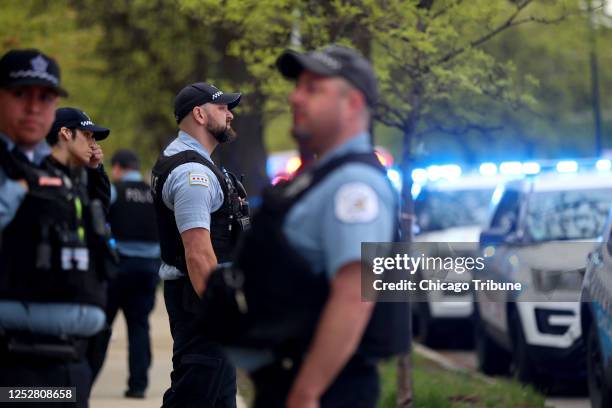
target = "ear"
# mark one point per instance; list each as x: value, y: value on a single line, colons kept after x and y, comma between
x: 200, y: 116
x: 356, y: 100
x: 65, y: 134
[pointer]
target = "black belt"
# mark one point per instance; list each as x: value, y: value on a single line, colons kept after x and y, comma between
x: 15, y: 345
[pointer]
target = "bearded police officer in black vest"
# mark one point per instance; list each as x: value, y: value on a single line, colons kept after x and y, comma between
x: 52, y: 277
x: 201, y: 209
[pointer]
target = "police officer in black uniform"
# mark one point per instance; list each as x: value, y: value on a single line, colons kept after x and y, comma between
x: 201, y: 210
x: 52, y: 279
x: 132, y: 220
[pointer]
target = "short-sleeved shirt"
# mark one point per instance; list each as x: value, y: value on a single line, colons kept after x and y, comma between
x: 192, y: 191
x: 11, y: 192
x: 354, y: 204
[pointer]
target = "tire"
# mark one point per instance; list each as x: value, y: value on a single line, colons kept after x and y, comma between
x: 522, y: 367
x: 599, y: 393
x: 491, y: 359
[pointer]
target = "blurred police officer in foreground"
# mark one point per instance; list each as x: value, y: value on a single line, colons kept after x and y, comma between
x: 295, y: 288
x: 132, y: 220
x: 200, y: 211
x: 51, y: 281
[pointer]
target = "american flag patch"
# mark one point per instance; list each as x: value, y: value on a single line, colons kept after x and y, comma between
x: 50, y: 181
x: 198, y: 179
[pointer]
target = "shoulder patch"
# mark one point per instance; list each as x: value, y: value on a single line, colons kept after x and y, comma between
x: 50, y: 181
x: 198, y: 179
x: 356, y: 202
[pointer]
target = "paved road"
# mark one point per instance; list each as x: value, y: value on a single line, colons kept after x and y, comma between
x: 108, y: 390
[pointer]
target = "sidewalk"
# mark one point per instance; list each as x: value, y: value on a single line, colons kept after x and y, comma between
x: 108, y: 390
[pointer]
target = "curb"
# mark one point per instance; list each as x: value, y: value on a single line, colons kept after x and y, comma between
x: 447, y: 364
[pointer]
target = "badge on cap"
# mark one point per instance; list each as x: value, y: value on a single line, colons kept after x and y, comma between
x: 198, y: 179
x: 356, y: 203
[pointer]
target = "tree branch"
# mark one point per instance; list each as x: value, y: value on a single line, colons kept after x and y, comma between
x: 446, y: 9
x: 511, y: 21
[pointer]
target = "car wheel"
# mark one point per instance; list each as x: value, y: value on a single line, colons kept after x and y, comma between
x: 600, y: 395
x: 522, y: 367
x: 492, y: 359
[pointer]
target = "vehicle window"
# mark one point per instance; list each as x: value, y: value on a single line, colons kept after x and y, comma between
x: 439, y: 210
x: 567, y: 215
x: 505, y: 217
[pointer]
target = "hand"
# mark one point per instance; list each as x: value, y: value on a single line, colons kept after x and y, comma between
x: 300, y: 399
x: 96, y: 156
x: 24, y: 184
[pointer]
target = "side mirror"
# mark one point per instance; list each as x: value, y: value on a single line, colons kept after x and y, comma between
x: 492, y: 237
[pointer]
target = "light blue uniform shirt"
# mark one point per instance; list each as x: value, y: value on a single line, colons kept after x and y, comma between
x: 353, y: 204
x: 11, y: 192
x: 192, y: 191
x: 134, y: 249
x: 55, y: 319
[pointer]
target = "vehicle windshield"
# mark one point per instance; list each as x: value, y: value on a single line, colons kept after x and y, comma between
x: 567, y: 215
x: 439, y: 210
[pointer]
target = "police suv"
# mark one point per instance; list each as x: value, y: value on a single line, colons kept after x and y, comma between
x: 450, y: 211
x: 540, y: 233
x: 596, y: 319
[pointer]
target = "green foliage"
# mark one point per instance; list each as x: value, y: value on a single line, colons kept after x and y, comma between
x: 451, y: 84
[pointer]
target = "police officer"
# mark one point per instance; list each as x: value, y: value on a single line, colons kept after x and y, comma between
x: 132, y: 220
x: 51, y: 283
x: 200, y: 209
x: 294, y: 289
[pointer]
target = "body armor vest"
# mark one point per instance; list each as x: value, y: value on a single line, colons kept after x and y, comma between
x: 226, y: 223
x: 270, y: 297
x: 53, y: 248
x: 132, y: 215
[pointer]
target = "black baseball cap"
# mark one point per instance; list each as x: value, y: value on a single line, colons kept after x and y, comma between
x: 30, y: 67
x: 200, y: 93
x: 126, y: 158
x: 333, y: 61
x: 74, y: 118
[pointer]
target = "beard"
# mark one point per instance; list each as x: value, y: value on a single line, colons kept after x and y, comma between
x: 222, y: 133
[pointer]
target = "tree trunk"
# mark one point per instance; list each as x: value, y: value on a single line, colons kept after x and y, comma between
x: 247, y: 155
x: 404, y: 362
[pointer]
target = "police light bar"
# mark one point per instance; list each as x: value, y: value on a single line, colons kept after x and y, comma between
x: 419, y: 176
x: 511, y: 168
x: 488, y: 169
x: 396, y: 178
x: 567, y: 166
x: 531, y: 168
x: 603, y: 165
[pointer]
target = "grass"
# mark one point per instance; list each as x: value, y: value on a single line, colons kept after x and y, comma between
x: 436, y: 387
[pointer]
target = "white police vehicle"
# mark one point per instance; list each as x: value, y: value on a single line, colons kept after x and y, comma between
x: 539, y: 235
x: 450, y: 211
x: 596, y: 319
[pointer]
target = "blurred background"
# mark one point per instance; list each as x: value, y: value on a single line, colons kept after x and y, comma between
x: 461, y: 82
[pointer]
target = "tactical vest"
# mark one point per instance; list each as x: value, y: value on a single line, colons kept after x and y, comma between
x: 270, y: 298
x: 132, y: 215
x: 226, y: 223
x: 52, y: 249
